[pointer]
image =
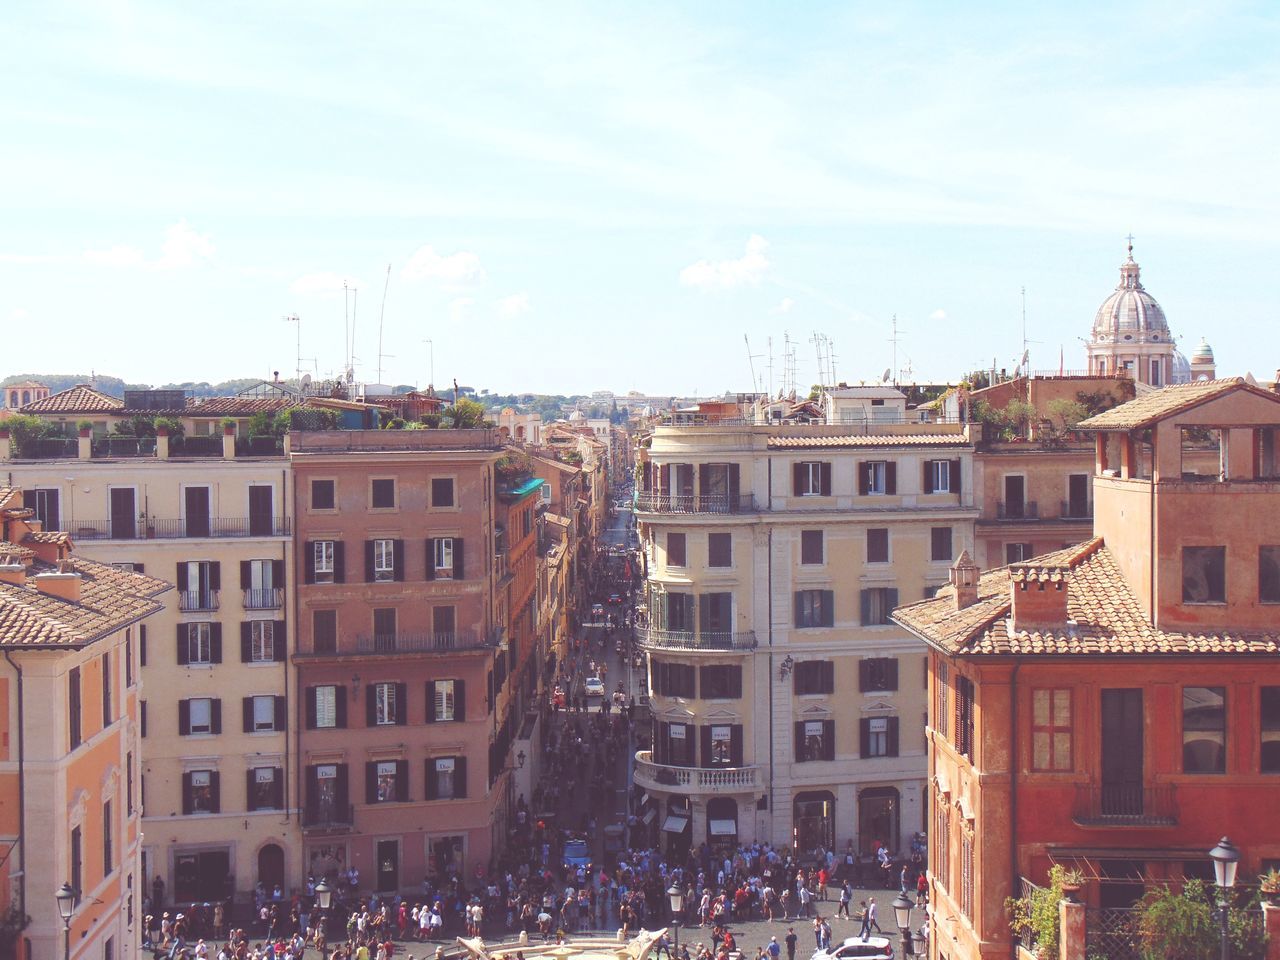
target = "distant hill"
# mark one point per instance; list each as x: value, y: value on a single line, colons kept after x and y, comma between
x: 116, y: 387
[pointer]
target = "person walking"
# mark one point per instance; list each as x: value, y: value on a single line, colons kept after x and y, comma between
x: 922, y: 889
x: 846, y: 894
x: 871, y: 916
x: 791, y: 940
x: 864, y: 915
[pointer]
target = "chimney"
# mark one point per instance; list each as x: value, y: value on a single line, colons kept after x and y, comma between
x: 964, y: 577
x: 1275, y: 385
x: 65, y: 583
x: 1039, y: 597
x: 13, y: 570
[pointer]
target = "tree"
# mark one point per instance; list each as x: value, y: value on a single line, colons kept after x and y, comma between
x: 466, y: 413
x: 1181, y: 926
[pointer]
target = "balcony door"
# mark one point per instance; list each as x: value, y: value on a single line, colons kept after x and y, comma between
x: 196, y: 509
x: 124, y: 513
x: 1122, y: 755
x: 1078, y: 495
x: 1015, y: 496
x: 260, y: 519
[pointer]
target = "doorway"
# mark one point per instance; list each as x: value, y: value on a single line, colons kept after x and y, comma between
x: 813, y: 821
x: 1122, y: 754
x: 124, y: 514
x: 201, y: 876
x: 388, y: 853
x: 271, y: 866
x: 196, y: 504
x: 1078, y: 495
x: 878, y: 819
x: 260, y: 519
x: 1014, y: 496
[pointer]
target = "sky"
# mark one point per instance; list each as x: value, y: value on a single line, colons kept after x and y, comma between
x: 563, y: 198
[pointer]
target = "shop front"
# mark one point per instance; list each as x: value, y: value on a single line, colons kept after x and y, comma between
x: 813, y: 821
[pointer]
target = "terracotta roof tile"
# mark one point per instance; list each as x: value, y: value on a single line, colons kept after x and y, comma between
x: 81, y: 398
x: 1159, y: 404
x: 953, y: 440
x: 1105, y: 617
x: 10, y: 497
x: 15, y: 551
x: 47, y: 536
x: 238, y: 406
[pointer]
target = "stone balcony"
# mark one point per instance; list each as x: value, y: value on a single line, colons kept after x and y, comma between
x: 704, y: 641
x: 712, y: 780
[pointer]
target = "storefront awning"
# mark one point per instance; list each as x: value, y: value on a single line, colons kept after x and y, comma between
x: 674, y: 824
x: 650, y: 816
x: 724, y: 828
x: 644, y: 798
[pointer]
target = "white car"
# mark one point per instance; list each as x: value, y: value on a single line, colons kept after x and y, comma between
x: 855, y: 948
x: 594, y: 687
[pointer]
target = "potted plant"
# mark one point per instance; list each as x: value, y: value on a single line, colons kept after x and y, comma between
x: 228, y: 427
x: 85, y: 427
x: 1269, y: 886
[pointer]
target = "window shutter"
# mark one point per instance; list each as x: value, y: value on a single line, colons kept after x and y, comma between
x: 735, y: 683
x: 734, y: 488
x: 735, y: 745
x: 215, y: 711
x: 370, y: 706
x: 215, y: 642
x: 246, y: 708
x: 705, y: 746
x: 797, y: 479
x: 460, y: 699
x: 864, y: 479
x: 282, y: 715
x: 342, y: 791
x: 402, y: 780
x: 142, y: 645
x: 308, y: 562
x: 184, y: 718
x: 368, y: 561
x: 824, y: 479
x: 864, y: 675
x: 398, y: 555
x: 704, y: 613
x: 311, y: 708
x: 182, y: 578
x: 460, y: 777
x: 799, y: 612
x: 431, y: 701
x: 339, y: 562
x: 828, y: 739
x: 955, y: 476
x: 186, y: 792
x: 278, y: 641
x: 246, y: 642
x: 370, y: 782
x: 215, y: 790
x: 704, y: 480
x: 891, y: 601
x: 246, y: 577
x: 340, y: 707
x: 890, y: 477
x: 799, y: 744
x: 432, y: 787
x: 431, y: 558
x: 828, y: 608
x: 864, y: 737
x: 926, y: 480
x: 215, y: 575
x: 458, y: 567
x: 828, y: 676
x: 864, y: 597
x: 277, y: 787
x: 402, y: 704
x: 249, y: 782
x: 892, y: 674
x: 892, y: 737
x: 277, y: 573
x: 182, y: 644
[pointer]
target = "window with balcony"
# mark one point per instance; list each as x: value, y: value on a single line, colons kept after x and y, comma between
x: 878, y: 674
x: 1269, y: 723
x: 719, y: 550
x: 264, y: 714
x: 878, y: 737
x: 679, y: 610
x: 811, y: 546
x: 940, y: 550
x: 674, y: 744
x: 877, y: 604
x: 200, y: 715
x: 442, y: 492
x: 446, y: 701
x: 1204, y: 729
x: 722, y: 745
x: 382, y: 494
x: 444, y: 558
x: 324, y: 631
x: 813, y: 677
x: 720, y: 682
x: 200, y: 792
x: 1204, y: 574
x: 446, y: 778
x: 323, y: 495
x: 815, y: 740
x: 384, y: 628
x: 386, y: 781
x: 327, y: 798
x: 199, y: 644
x: 878, y: 545
x: 381, y: 558
x: 676, y: 556
x: 811, y: 479
x: 715, y: 618
x: 815, y: 608
x: 877, y: 478
x: 1269, y: 574
x: 198, y: 584
x: 1051, y: 730
x: 265, y: 788
x: 444, y: 624
x: 261, y: 581
x: 326, y: 707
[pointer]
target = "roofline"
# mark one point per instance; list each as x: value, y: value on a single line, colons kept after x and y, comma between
x: 81, y: 644
x: 1239, y: 384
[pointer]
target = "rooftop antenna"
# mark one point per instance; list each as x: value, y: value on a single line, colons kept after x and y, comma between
x: 382, y: 313
x: 769, y: 343
x: 295, y: 319
x: 751, y: 363
x: 894, y: 340
x: 355, y: 296
x: 431, y: 363
x: 346, y: 326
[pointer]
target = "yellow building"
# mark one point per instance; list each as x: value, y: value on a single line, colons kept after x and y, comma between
x: 786, y: 705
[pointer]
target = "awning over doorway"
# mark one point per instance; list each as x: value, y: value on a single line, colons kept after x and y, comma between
x: 674, y: 824
x: 649, y: 816
x: 724, y: 828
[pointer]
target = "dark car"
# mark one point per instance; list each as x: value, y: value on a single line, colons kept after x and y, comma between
x: 577, y: 853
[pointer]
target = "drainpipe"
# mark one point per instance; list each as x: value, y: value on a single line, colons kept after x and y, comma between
x: 1151, y: 601
x: 769, y: 594
x: 284, y: 562
x: 22, y: 791
x: 291, y: 478
x: 1013, y: 789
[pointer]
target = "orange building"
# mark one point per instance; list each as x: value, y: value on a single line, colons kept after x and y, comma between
x: 70, y: 797
x: 1115, y: 706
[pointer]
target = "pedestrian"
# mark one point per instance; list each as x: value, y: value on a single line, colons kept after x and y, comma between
x: 922, y: 889
x: 791, y: 939
x: 846, y: 894
x: 817, y: 933
x: 871, y: 916
x: 864, y: 915
x: 773, y: 949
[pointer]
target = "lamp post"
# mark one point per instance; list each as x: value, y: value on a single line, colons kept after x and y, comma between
x: 902, y: 914
x: 676, y: 896
x: 324, y: 899
x: 1226, y: 857
x: 66, y: 898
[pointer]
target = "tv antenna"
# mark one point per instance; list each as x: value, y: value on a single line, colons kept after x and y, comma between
x: 297, y: 321
x: 895, y: 340
x: 751, y: 363
x: 381, y: 314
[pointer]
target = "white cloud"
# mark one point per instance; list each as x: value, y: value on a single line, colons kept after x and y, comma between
x: 461, y: 269
x: 785, y: 305
x: 117, y: 256
x: 727, y: 274
x: 938, y: 314
x: 513, y: 306
x: 322, y: 284
x: 19, y: 315
x: 182, y: 247
x: 459, y: 308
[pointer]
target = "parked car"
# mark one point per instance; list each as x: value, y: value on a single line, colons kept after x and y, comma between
x: 593, y: 687
x: 615, y: 598
x: 577, y: 853
x: 597, y: 609
x: 855, y: 948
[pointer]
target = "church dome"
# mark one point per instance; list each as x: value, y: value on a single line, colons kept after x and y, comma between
x: 1181, y: 368
x: 1130, y: 313
x: 1204, y: 352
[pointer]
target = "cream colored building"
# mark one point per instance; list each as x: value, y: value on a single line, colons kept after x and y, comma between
x: 220, y: 808
x: 786, y: 705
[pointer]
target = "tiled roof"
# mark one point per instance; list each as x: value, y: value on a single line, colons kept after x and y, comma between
x: 1105, y: 617
x: 237, y: 406
x: 109, y: 600
x: 1159, y: 404
x: 81, y: 398
x: 47, y: 536
x: 14, y: 551
x: 10, y: 497
x: 871, y: 440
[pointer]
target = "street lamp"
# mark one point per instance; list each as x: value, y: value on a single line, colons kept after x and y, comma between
x: 902, y: 913
x: 1226, y: 857
x: 676, y: 896
x: 324, y: 899
x: 66, y: 898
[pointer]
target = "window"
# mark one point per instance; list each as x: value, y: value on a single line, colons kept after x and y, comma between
x: 1018, y: 552
x: 675, y: 741
x: 74, y: 719
x: 108, y: 834
x: 720, y: 682
x: 938, y: 475
x: 676, y: 550
x: 202, y: 715
x: 964, y: 717
x: 263, y: 714
x: 1204, y: 729
x: 878, y: 673
x: 1051, y: 730
x: 811, y: 546
x: 1204, y: 574
x: 815, y: 608
x: 142, y: 718
x: 327, y: 707
x: 1270, y: 725
x: 878, y: 736
x: 878, y: 545
x: 811, y: 479
x: 877, y: 478
x: 446, y: 778
x: 199, y: 582
x: 442, y: 558
x: 877, y: 604
x: 382, y: 494
x: 940, y: 544
x: 128, y: 658
x: 45, y: 504
x: 1269, y: 574
x: 322, y: 495
x: 384, y: 560
x: 262, y: 648
x: 673, y: 679
x: 200, y: 793
x: 719, y: 550
x: 814, y: 676
x: 446, y: 701
x: 385, y: 705
x: 324, y: 631
x: 442, y: 492
x: 128, y: 783
x: 966, y: 873
x: 76, y: 868
x: 942, y: 843
x: 265, y: 788
x: 444, y: 625
x: 195, y: 644
x: 387, y: 781
x: 815, y: 740
x: 719, y: 746
x: 323, y: 560
x: 105, y: 663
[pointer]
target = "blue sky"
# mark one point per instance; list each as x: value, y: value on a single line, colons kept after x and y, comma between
x: 589, y: 196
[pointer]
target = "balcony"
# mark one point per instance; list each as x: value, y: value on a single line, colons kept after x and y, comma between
x: 200, y: 528
x: 715, y: 780
x: 328, y: 818
x: 391, y: 644
x: 49, y: 448
x: 268, y: 598
x: 113, y: 447
x: 1126, y: 805
x: 652, y: 638
x: 704, y: 503
x: 195, y: 446
x: 1076, y: 511
x: 196, y: 600
x: 1027, y: 510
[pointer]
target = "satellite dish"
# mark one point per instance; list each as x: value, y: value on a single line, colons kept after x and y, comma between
x: 887, y: 374
x: 306, y: 380
x: 351, y: 374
